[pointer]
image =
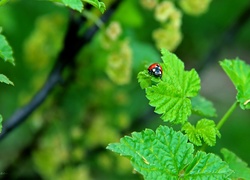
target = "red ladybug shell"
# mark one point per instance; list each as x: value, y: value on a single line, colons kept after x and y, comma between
x: 155, y: 70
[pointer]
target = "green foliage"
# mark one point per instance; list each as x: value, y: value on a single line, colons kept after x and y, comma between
x: 5, y: 80
x: 241, y: 171
x: 66, y: 137
x: 166, y: 154
x: 78, y: 4
x: 6, y: 52
x: 203, y: 107
x: 99, y: 5
x: 239, y: 73
x: 171, y: 96
x: 205, y: 129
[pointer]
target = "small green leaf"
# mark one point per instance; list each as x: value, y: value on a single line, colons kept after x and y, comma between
x: 6, y: 52
x: 5, y: 80
x: 203, y: 107
x: 1, y: 120
x: 241, y: 170
x: 239, y: 73
x: 99, y: 5
x: 192, y: 134
x: 166, y: 154
x: 205, y: 129
x: 170, y: 97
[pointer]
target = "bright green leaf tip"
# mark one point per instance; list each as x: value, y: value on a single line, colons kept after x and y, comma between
x: 6, y: 52
x: 4, y: 79
x: 239, y: 73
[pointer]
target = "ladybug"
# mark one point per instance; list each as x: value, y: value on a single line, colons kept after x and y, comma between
x: 155, y: 70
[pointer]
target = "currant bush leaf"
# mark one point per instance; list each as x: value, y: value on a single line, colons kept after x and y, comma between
x: 163, y: 153
x: 99, y: 5
x: 144, y: 79
x: 203, y: 107
x: 73, y: 4
x: 207, y: 166
x: 171, y: 96
x: 169, y: 102
x: 166, y: 154
x: 78, y: 4
x: 239, y: 73
x: 192, y: 134
x: 6, y: 52
x: 205, y: 129
x: 4, y: 79
x: 241, y: 170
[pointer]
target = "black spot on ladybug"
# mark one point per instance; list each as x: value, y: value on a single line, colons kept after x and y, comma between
x: 155, y: 70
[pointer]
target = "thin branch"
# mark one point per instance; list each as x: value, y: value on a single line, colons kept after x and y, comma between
x: 72, y: 45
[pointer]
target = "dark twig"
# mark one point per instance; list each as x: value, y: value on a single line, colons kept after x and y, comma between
x: 227, y: 38
x: 72, y: 45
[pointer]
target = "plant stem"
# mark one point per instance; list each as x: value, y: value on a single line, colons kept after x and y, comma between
x: 225, y: 117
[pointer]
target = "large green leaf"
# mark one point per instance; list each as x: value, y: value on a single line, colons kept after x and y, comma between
x: 171, y: 96
x: 239, y: 73
x: 241, y: 170
x: 166, y: 154
x: 6, y: 52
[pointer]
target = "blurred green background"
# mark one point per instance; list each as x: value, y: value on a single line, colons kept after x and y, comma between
x: 65, y: 138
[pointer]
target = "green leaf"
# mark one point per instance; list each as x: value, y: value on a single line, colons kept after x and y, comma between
x: 241, y: 170
x: 1, y: 120
x: 73, y: 4
x: 99, y: 5
x: 207, y: 166
x: 166, y: 154
x: 170, y: 97
x: 239, y: 73
x: 205, y: 129
x: 6, y: 52
x: 203, y: 107
x: 192, y: 134
x: 5, y: 80
x: 144, y: 79
x: 78, y: 4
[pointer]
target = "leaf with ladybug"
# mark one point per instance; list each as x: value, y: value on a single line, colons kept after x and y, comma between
x: 171, y: 96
